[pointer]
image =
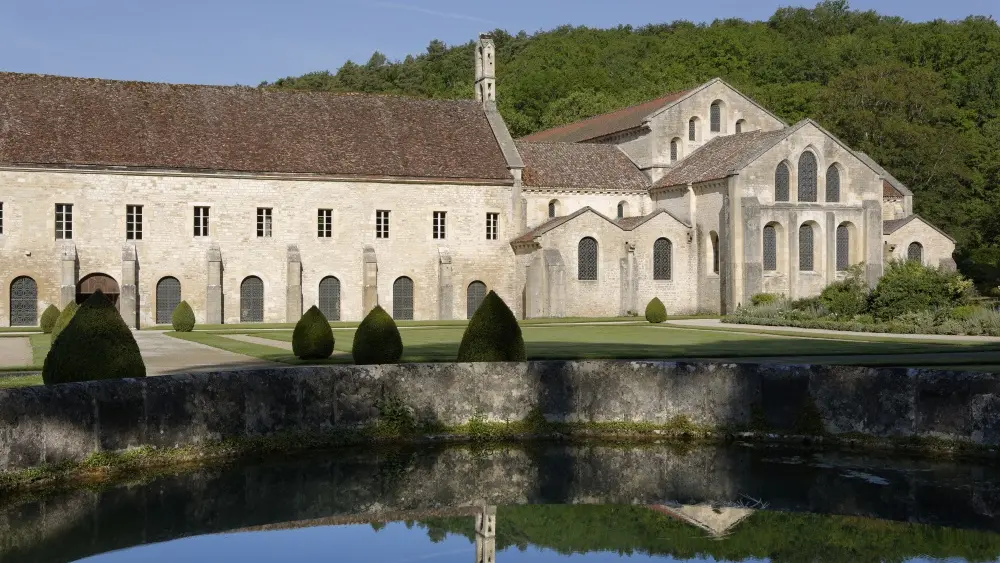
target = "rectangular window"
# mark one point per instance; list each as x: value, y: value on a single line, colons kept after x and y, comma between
x: 492, y: 226
x: 439, y: 224
x: 263, y: 222
x: 64, y: 221
x: 201, y: 221
x: 324, y: 223
x: 381, y: 224
x: 1, y: 217
x: 133, y: 222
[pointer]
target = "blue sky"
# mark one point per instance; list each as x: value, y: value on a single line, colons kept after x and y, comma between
x: 247, y: 41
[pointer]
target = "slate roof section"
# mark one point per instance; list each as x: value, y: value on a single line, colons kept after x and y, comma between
x: 549, y: 225
x: 890, y: 226
x: 625, y: 223
x: 606, y: 123
x: 585, y: 165
x: 51, y: 120
x: 722, y: 157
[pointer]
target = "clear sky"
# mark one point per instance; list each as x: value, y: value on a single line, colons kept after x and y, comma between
x: 247, y: 41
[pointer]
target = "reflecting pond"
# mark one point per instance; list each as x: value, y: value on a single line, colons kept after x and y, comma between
x: 543, y: 503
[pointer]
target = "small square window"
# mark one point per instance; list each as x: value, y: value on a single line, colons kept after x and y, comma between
x: 133, y: 222
x: 492, y: 226
x: 439, y: 217
x: 64, y: 221
x: 381, y: 224
x: 201, y: 221
x: 324, y: 223
x: 264, y: 222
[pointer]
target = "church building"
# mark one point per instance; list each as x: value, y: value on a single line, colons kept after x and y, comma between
x: 253, y: 205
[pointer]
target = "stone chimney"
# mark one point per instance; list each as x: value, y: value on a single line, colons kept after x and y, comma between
x: 485, y: 69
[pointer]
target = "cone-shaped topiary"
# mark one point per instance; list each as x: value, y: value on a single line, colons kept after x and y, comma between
x: 95, y: 344
x: 48, y: 319
x: 377, y: 339
x: 63, y: 319
x: 182, y: 318
x: 493, y: 334
x: 655, y: 311
x: 312, y: 338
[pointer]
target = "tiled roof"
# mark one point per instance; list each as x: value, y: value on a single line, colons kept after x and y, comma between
x: 52, y: 120
x: 605, y: 124
x: 890, y: 226
x: 888, y: 190
x: 586, y: 165
x: 721, y: 157
x: 625, y: 223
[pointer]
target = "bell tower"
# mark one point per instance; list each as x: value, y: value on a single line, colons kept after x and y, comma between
x: 485, y: 69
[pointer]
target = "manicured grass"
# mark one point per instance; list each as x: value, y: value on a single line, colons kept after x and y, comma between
x: 20, y: 381
x: 20, y: 329
x: 866, y: 337
x: 254, y: 350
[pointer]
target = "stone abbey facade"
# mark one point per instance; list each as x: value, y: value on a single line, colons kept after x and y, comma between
x: 253, y: 205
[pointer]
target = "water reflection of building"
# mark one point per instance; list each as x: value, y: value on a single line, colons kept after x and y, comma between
x: 717, y: 521
x: 486, y: 535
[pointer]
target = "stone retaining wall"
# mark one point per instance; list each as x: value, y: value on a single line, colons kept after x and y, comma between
x: 71, y: 421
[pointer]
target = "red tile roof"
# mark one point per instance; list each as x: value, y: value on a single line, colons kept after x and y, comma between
x: 888, y: 190
x: 51, y: 120
x: 605, y: 124
x: 587, y: 165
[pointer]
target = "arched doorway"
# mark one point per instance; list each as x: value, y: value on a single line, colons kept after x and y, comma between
x: 252, y: 300
x: 23, y: 302
x: 402, y: 299
x: 168, y: 297
x: 329, y: 298
x: 92, y: 282
x: 474, y: 297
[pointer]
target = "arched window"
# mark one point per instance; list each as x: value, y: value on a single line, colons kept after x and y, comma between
x: 552, y: 208
x: 781, y: 182
x: 474, y: 297
x: 663, y: 251
x: 740, y: 125
x: 770, y: 249
x: 673, y: 149
x: 715, y: 117
x: 807, y: 177
x: 168, y: 297
x: 252, y: 300
x: 23, y: 302
x: 329, y: 298
x: 806, y: 258
x: 833, y: 184
x: 622, y: 209
x: 843, y: 248
x: 915, y: 252
x: 715, y: 251
x: 693, y: 129
x: 586, y: 268
x: 402, y: 299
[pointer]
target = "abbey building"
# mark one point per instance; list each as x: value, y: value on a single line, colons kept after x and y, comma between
x: 253, y: 205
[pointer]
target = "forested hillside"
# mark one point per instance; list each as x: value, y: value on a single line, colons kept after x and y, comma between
x: 922, y: 98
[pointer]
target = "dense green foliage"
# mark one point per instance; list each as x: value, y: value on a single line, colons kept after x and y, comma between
x: 182, y: 318
x: 377, y: 340
x: 49, y: 317
x: 911, y: 287
x: 846, y: 297
x: 493, y: 334
x: 764, y: 298
x: 63, y: 319
x: 312, y: 338
x: 96, y: 344
x: 920, y: 98
x: 765, y: 535
x: 656, y: 311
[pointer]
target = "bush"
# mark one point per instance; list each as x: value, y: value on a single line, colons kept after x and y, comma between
x: 377, y: 339
x: 63, y: 319
x: 182, y: 318
x: 764, y: 298
x: 656, y: 312
x: 312, y: 338
x: 493, y: 334
x: 95, y: 344
x: 963, y: 312
x: 847, y: 297
x: 49, y: 317
x: 909, y: 286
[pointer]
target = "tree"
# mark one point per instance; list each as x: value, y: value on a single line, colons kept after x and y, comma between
x: 656, y: 311
x: 312, y: 338
x: 377, y: 340
x: 493, y: 334
x: 64, y: 317
x: 182, y: 319
x: 49, y: 317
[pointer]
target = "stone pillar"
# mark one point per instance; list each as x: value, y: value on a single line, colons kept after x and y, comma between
x: 872, y: 239
x: 629, y: 281
x: 446, y: 293
x: 534, y: 288
x: 213, y: 287
x: 793, y: 256
x: 555, y: 283
x: 128, y: 301
x: 831, y: 248
x: 753, y: 249
x: 369, y: 296
x: 726, y: 253
x: 293, y: 291
x: 486, y: 535
x: 67, y: 284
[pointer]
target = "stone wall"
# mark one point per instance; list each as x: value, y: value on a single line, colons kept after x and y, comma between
x: 71, y: 421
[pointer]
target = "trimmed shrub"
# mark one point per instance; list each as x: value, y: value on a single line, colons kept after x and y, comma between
x: 63, y: 319
x: 764, y: 298
x: 49, y: 317
x: 312, y: 338
x: 493, y: 334
x: 377, y: 339
x: 656, y: 312
x: 847, y: 297
x: 909, y: 286
x: 96, y: 344
x: 182, y: 318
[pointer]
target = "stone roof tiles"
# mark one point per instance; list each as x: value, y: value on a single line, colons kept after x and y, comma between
x: 574, y: 166
x: 50, y: 120
x: 890, y: 226
x: 625, y: 223
x: 721, y: 157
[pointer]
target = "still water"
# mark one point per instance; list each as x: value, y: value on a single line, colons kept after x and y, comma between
x: 543, y: 504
